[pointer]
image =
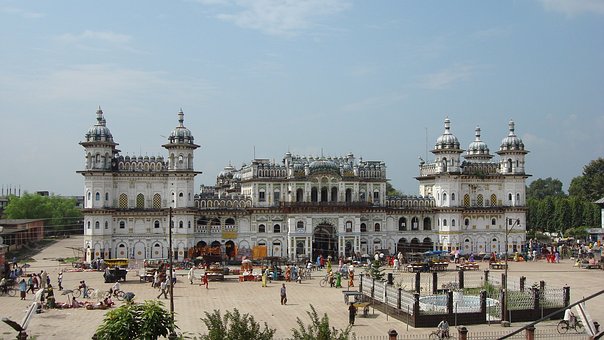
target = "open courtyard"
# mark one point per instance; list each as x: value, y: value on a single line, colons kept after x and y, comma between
x: 191, y: 301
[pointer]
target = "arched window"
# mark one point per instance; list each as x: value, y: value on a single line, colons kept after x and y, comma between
x: 123, y: 202
x: 452, y: 196
x: 262, y: 228
x: 452, y: 222
x: 377, y: 227
x: 466, y: 200
x: 106, y: 196
x: 156, y: 201
x: 444, y: 222
x: 427, y: 223
x: 97, y: 225
x: 156, y: 224
x: 97, y: 196
x: 334, y: 194
x: 88, y: 225
x: 479, y: 200
x: 90, y: 196
x: 276, y: 229
x: 314, y: 195
x: 509, y: 165
x: 181, y: 224
x: 348, y: 226
x: 140, y: 201
x: 300, y: 226
x: 402, y: 224
x: 106, y: 225
x: 348, y: 195
x: 444, y: 198
x: 510, y: 197
x: 122, y: 224
x: 299, y: 195
x: 444, y: 165
x: 363, y: 228
x: 518, y: 198
x: 466, y: 222
x: 493, y: 200
x: 415, y: 223
x: 493, y: 221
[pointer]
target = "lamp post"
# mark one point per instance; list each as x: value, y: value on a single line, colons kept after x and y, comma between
x: 505, y: 269
x: 170, y: 260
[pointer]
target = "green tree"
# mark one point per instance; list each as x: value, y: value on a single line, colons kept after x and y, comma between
x: 533, y: 221
x: 136, y: 321
x: 375, y: 270
x: 234, y: 326
x: 590, y: 185
x: 546, y: 214
x: 541, y: 188
x: 319, y: 329
x: 60, y: 212
x: 563, y: 214
x: 577, y: 232
x: 391, y: 191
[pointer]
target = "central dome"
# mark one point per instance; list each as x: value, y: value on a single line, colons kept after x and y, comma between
x: 324, y: 166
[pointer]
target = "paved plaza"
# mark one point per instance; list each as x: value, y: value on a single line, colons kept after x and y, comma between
x: 191, y: 301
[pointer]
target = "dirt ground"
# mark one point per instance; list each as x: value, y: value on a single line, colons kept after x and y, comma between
x: 191, y: 301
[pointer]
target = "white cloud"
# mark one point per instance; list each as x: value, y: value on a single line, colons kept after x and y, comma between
x: 574, y: 7
x: 109, y: 37
x: 278, y: 17
x: 22, y: 13
x: 445, y: 78
x: 102, y: 82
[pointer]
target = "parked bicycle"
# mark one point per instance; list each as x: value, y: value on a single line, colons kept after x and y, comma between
x: 564, y: 326
x: 8, y: 290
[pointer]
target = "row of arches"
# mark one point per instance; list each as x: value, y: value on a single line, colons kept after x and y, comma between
x: 224, y: 203
x: 141, y: 166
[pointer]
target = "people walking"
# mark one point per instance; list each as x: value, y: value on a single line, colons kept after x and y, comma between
x: 191, y: 275
x: 163, y: 286
x: 22, y: 288
x: 30, y: 283
x: 60, y: 280
x: 205, y: 280
x: 283, y: 295
x: 264, y: 277
x: 352, y: 312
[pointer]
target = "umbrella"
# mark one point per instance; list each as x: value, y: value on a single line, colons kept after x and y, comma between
x: 67, y: 292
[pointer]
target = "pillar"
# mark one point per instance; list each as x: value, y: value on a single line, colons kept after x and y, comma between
x: 434, y: 282
x: 417, y: 282
x: 461, y: 276
x: 566, y: 293
x: 450, y: 310
x: 530, y: 333
x: 463, y: 333
x: 522, y: 283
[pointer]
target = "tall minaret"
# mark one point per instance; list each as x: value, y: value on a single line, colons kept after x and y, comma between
x: 447, y: 151
x: 180, y: 148
x: 99, y: 145
x: 512, y: 153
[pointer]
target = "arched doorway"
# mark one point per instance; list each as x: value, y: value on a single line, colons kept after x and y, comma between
x: 324, y: 241
x: 230, y: 250
x: 403, y: 246
x: 426, y: 245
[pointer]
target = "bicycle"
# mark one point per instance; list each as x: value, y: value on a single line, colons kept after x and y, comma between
x: 564, y: 326
x: 119, y: 294
x: 326, y: 280
x: 77, y: 292
x: 438, y: 335
x: 10, y: 291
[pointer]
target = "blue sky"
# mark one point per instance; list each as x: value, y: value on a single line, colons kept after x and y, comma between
x: 375, y: 78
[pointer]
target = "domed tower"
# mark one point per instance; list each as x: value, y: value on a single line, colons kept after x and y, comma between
x: 180, y: 165
x: 512, y: 153
x: 99, y: 145
x: 180, y: 147
x: 478, y: 151
x: 447, y: 152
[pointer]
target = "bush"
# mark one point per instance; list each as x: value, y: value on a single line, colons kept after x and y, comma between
x: 234, y: 326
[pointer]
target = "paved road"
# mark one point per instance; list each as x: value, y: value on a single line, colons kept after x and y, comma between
x: 191, y: 301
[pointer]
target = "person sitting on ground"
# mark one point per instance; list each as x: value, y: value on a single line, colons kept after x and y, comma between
x: 75, y: 303
x: 443, y: 328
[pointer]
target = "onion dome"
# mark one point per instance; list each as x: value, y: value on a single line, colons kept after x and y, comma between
x: 181, y: 135
x: 511, y: 142
x: 227, y: 171
x: 447, y: 140
x: 99, y: 132
x: 323, y: 165
x: 478, y: 147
